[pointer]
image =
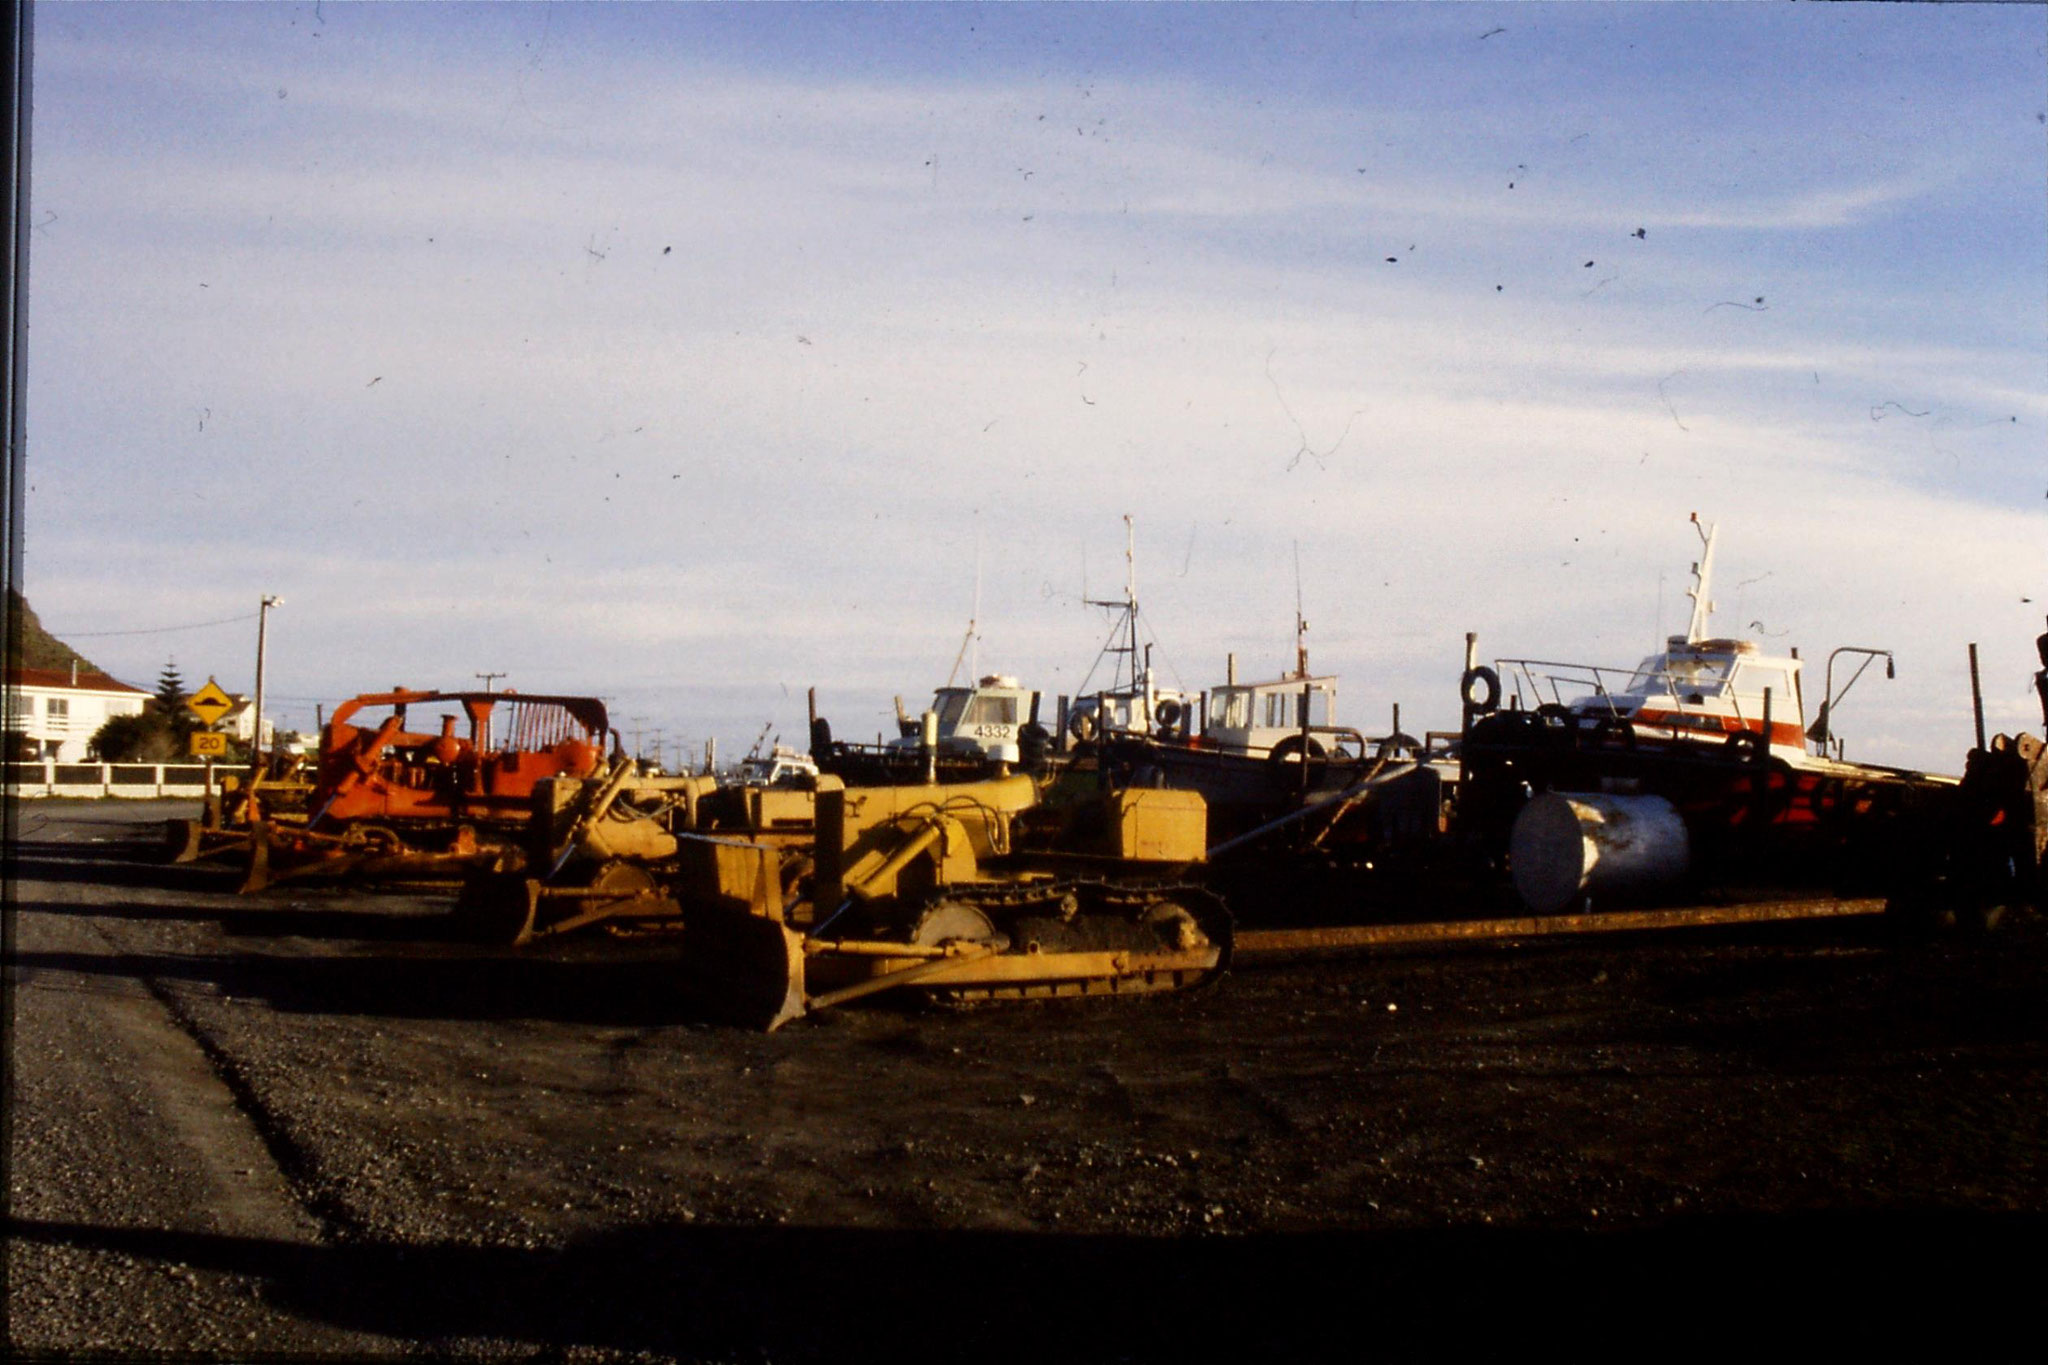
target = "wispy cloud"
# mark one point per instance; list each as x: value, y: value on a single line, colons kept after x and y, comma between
x: 504, y: 340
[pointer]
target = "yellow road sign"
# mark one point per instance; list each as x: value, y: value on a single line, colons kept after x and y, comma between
x: 209, y: 703
x: 205, y: 742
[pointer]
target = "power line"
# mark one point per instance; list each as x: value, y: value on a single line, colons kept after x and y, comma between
x: 154, y: 630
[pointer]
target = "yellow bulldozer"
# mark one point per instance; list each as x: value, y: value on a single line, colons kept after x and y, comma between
x: 788, y: 901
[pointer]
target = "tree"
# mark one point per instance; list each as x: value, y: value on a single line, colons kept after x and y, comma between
x: 170, y: 688
x: 143, y: 737
x: 169, y: 705
x: 159, y: 733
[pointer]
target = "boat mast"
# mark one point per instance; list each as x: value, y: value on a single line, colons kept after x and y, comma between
x: 1702, y: 581
x: 1126, y: 629
x: 1131, y: 596
x: 1300, y: 625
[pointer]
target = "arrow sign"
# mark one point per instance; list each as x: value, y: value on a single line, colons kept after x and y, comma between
x: 209, y: 703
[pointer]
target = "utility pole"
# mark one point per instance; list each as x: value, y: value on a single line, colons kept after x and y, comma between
x: 262, y: 625
x: 488, y: 678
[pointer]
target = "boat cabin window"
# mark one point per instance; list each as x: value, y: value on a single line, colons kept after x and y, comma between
x: 1752, y: 679
x: 1284, y: 708
x: 992, y: 710
x: 1684, y: 674
x: 1230, y: 708
x: 949, y: 703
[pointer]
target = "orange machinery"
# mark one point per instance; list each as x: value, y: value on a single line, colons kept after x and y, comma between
x: 393, y: 799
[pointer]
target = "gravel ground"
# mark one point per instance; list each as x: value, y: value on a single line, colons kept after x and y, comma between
x: 315, y: 1124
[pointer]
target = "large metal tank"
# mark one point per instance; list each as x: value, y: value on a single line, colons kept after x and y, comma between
x: 1566, y: 847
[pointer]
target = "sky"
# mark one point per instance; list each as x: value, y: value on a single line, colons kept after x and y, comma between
x: 692, y: 356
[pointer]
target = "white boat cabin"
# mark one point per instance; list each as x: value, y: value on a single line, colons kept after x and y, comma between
x: 986, y: 719
x: 780, y: 767
x: 1253, y: 718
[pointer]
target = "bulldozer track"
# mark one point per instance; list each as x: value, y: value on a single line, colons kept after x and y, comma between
x: 1091, y: 904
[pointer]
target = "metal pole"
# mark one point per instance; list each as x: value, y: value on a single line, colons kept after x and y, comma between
x: 1305, y: 742
x: 1976, y: 694
x: 262, y: 626
x: 16, y: 35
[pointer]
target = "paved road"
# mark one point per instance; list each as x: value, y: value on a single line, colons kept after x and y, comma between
x: 317, y: 1122
x: 131, y: 1150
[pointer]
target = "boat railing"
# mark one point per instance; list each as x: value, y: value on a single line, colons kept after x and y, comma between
x: 1534, y: 683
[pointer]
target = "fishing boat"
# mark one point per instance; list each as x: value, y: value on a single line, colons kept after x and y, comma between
x: 1133, y: 703
x: 1258, y: 750
x: 1699, y: 691
x: 1701, y: 694
x: 1696, y: 764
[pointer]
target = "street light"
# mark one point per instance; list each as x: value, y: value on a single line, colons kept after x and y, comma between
x: 262, y: 624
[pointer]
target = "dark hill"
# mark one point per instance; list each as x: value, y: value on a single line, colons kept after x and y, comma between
x: 40, y: 649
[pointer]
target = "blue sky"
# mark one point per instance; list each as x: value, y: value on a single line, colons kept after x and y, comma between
x: 692, y: 355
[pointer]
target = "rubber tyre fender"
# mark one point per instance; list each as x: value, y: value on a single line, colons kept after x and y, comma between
x: 1610, y: 733
x: 1081, y: 725
x: 1167, y: 713
x: 1744, y: 746
x: 1396, y: 743
x: 1487, y: 682
x: 1292, y: 747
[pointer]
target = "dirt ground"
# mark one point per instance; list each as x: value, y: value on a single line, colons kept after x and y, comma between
x: 317, y: 1124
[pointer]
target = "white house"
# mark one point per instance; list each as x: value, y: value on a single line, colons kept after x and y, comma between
x: 54, y: 712
x: 240, y: 721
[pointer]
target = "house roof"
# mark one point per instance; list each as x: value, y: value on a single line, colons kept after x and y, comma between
x: 61, y: 679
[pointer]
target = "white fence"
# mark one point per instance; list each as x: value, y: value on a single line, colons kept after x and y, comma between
x: 136, y: 780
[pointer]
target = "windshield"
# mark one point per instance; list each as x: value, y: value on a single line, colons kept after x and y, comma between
x: 996, y: 710
x: 949, y: 703
x: 1230, y: 708
x: 1681, y: 673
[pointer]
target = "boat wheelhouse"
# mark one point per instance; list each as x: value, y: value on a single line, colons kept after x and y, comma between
x: 781, y: 766
x: 984, y: 721
x: 1284, y: 715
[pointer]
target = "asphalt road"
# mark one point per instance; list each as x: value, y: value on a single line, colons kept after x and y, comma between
x: 317, y: 1124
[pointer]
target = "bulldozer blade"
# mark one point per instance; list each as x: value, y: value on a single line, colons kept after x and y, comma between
x: 182, y: 839
x: 259, y: 860
x: 498, y: 907
x: 746, y: 969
